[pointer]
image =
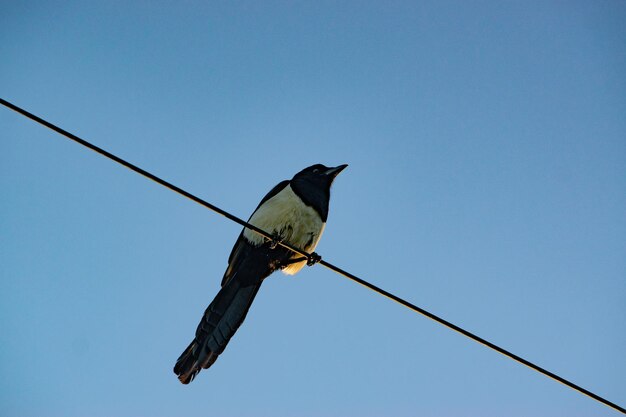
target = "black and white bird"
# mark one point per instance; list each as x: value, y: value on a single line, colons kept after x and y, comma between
x: 294, y: 211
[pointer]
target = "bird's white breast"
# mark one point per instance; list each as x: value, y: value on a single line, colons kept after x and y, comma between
x: 295, y: 222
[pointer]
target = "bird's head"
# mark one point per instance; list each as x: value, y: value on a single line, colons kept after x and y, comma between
x: 319, y: 175
x: 312, y: 185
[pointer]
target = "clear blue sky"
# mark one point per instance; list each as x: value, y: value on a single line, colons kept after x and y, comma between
x: 487, y: 184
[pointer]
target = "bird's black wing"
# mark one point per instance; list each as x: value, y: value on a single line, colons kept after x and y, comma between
x: 242, y: 247
x: 248, y: 265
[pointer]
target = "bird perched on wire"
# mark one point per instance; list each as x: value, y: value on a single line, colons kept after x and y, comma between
x: 294, y: 212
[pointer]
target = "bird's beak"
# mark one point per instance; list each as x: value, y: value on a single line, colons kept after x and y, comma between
x: 333, y: 172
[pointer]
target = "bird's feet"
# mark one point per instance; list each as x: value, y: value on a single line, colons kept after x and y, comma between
x: 312, y: 259
x: 275, y: 240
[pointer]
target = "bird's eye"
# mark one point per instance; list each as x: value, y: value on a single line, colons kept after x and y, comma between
x: 316, y: 170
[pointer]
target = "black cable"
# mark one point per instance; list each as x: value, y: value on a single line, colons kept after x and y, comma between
x: 322, y: 262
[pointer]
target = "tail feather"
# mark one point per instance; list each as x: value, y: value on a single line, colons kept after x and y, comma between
x: 221, y: 320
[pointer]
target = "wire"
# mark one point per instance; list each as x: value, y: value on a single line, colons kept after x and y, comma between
x: 328, y: 265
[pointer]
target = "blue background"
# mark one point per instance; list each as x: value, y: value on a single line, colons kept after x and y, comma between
x: 487, y: 152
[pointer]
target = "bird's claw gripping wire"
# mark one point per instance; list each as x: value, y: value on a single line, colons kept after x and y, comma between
x: 313, y: 258
x: 275, y: 240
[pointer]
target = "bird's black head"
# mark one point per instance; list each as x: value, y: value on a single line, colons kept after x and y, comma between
x: 319, y: 174
x: 312, y: 185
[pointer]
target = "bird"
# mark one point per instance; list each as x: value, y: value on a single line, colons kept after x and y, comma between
x: 294, y: 212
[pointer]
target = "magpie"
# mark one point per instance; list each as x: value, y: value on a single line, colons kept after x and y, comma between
x: 294, y: 212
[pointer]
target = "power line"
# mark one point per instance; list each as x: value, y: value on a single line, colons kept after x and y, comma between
x: 308, y: 256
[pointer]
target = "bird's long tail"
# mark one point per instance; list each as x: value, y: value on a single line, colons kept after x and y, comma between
x: 221, y: 320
